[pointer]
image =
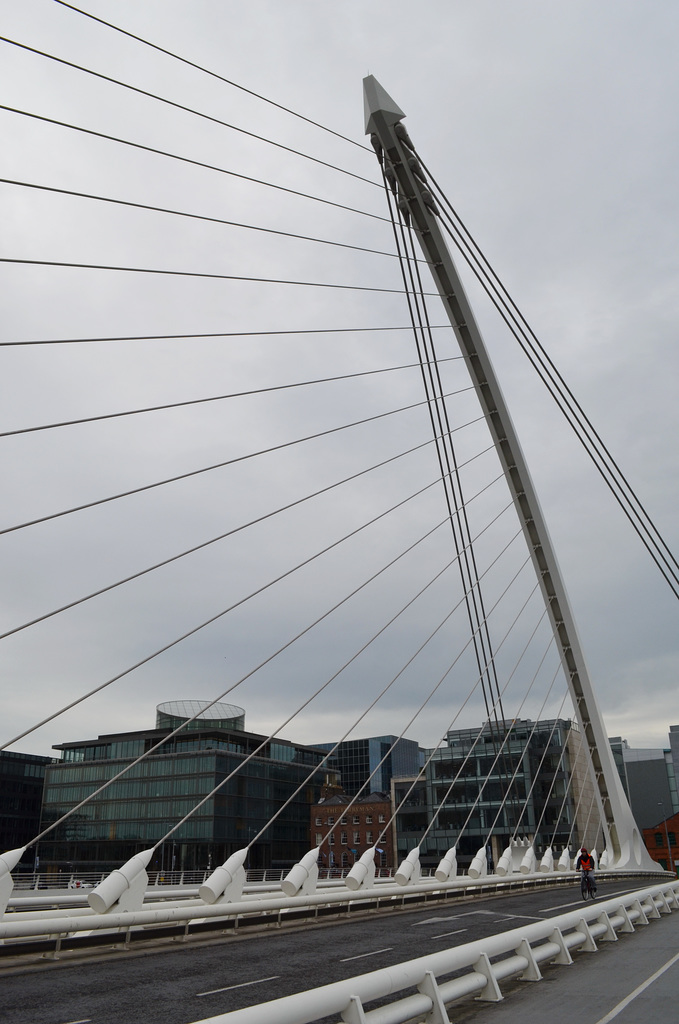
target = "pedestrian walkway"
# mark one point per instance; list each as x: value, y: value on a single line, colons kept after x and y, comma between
x: 633, y: 979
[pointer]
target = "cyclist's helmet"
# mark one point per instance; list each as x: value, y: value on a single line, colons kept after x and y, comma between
x: 583, y: 850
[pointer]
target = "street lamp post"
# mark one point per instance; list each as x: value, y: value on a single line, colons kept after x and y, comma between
x: 670, y: 866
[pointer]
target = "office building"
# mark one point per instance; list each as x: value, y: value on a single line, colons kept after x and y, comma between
x: 22, y: 777
x: 255, y: 777
x: 486, y: 784
x: 368, y: 765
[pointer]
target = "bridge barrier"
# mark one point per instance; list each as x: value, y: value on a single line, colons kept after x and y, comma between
x: 48, y: 926
x: 29, y: 881
x: 521, y: 951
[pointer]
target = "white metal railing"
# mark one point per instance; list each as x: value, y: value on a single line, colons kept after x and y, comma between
x: 549, y: 941
x: 57, y: 920
x: 27, y: 881
x: 50, y: 918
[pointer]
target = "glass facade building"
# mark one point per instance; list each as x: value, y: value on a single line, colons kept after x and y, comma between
x: 22, y: 778
x: 137, y: 810
x: 378, y: 759
x: 475, y: 786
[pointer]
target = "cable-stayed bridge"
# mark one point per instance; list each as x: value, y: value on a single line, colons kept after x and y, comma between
x: 362, y: 538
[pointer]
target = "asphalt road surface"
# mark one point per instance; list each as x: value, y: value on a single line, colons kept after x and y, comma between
x: 202, y: 978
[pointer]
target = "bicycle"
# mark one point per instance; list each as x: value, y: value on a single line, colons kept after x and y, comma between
x: 587, y: 886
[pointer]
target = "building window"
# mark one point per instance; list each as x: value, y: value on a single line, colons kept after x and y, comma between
x: 357, y: 838
x: 343, y: 820
x: 659, y: 839
x: 369, y: 838
x: 343, y: 839
x: 331, y: 839
x: 319, y: 838
x: 356, y: 820
x: 381, y: 819
x: 319, y: 821
x: 672, y: 838
x: 331, y: 821
x: 368, y: 819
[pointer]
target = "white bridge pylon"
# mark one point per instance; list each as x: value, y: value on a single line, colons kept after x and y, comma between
x: 383, y: 117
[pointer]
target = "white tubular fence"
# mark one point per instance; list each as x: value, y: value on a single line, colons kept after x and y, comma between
x: 549, y: 941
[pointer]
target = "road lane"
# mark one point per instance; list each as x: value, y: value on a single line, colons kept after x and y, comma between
x: 190, y: 981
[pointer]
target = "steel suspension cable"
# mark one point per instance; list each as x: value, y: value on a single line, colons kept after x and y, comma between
x: 219, y: 615
x: 325, y: 685
x: 566, y: 401
x: 439, y: 683
x: 183, y: 159
x: 575, y: 815
x: 441, y: 802
x: 212, y: 398
x: 234, y: 686
x: 217, y: 334
x: 571, y: 776
x: 212, y: 74
x: 128, y: 203
x: 208, y: 469
x: 507, y: 739
x: 203, y: 275
x: 224, y: 536
x: 537, y: 774
x: 180, y: 106
x: 201, y: 626
x: 446, y: 451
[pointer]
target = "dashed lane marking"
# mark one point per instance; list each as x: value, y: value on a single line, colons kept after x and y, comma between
x: 362, y: 955
x: 444, y: 935
x: 243, y: 984
x: 575, y: 903
x: 450, y: 917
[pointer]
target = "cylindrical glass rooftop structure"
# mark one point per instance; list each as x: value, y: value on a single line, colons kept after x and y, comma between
x: 174, y: 713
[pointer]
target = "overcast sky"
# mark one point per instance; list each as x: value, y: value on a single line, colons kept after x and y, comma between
x: 552, y: 129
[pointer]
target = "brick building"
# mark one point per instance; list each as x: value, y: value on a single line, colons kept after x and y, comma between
x: 659, y: 838
x: 357, y: 826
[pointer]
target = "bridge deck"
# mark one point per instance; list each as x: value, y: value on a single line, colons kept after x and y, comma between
x: 625, y: 982
x: 204, y: 978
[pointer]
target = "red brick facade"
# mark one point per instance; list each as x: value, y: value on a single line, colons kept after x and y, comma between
x: 656, y: 840
x: 356, y: 828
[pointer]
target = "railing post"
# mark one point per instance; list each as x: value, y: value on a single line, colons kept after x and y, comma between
x: 429, y: 988
x: 490, y: 993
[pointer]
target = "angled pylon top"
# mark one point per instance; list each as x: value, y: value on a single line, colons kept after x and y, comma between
x: 375, y: 98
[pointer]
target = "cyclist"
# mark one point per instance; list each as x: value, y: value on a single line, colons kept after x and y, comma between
x: 585, y: 864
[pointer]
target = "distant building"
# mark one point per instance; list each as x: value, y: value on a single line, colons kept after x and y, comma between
x: 649, y: 780
x: 378, y: 759
x: 22, y: 778
x: 134, y: 813
x: 550, y: 800
x: 674, y: 756
x: 358, y: 826
x: 661, y: 842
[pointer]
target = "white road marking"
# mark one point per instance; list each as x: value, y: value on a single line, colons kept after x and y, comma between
x: 85, y: 1020
x: 362, y: 955
x: 524, y: 917
x: 243, y: 984
x: 444, y: 935
x: 637, y: 991
x: 575, y: 903
x: 451, y: 917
